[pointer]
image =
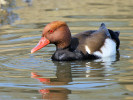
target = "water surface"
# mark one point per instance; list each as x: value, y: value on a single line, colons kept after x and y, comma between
x: 25, y: 76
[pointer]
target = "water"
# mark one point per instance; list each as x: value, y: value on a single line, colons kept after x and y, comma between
x: 25, y: 76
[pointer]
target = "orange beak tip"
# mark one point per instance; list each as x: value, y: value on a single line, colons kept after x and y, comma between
x: 42, y: 43
x: 32, y: 51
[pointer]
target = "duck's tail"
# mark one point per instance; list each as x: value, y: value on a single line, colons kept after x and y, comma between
x: 103, y: 28
x: 102, y: 25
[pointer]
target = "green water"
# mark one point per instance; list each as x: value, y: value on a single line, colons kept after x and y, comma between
x: 25, y: 76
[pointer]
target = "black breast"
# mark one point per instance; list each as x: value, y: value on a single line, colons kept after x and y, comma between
x: 67, y: 55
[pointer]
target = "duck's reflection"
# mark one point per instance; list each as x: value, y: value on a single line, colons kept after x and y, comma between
x: 55, y: 93
x: 63, y: 75
x: 95, y: 68
x: 68, y: 70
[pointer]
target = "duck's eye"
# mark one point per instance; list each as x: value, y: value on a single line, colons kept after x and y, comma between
x: 51, y: 31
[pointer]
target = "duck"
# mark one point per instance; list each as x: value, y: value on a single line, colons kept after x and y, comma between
x: 87, y: 45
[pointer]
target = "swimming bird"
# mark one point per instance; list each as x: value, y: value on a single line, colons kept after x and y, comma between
x: 91, y: 44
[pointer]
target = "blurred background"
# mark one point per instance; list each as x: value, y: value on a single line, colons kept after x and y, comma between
x: 25, y: 76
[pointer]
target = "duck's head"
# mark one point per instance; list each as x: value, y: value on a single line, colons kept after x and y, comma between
x: 57, y: 33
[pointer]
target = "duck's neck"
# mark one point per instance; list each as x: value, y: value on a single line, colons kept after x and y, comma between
x: 63, y: 45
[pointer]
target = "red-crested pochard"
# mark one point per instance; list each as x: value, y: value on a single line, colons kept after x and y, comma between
x: 91, y: 44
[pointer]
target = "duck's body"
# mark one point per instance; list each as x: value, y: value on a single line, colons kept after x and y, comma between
x: 90, y: 44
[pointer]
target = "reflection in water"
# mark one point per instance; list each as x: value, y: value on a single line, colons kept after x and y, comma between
x: 6, y: 12
x: 130, y: 88
x: 29, y: 2
x: 97, y: 80
x: 96, y: 68
x: 55, y: 93
x: 68, y: 70
x: 63, y: 75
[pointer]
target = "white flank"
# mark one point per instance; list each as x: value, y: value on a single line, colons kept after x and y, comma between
x: 87, y: 49
x: 108, y: 49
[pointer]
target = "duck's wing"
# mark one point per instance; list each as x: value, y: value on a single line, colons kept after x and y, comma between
x: 92, y: 39
x: 101, y: 42
x: 102, y: 30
